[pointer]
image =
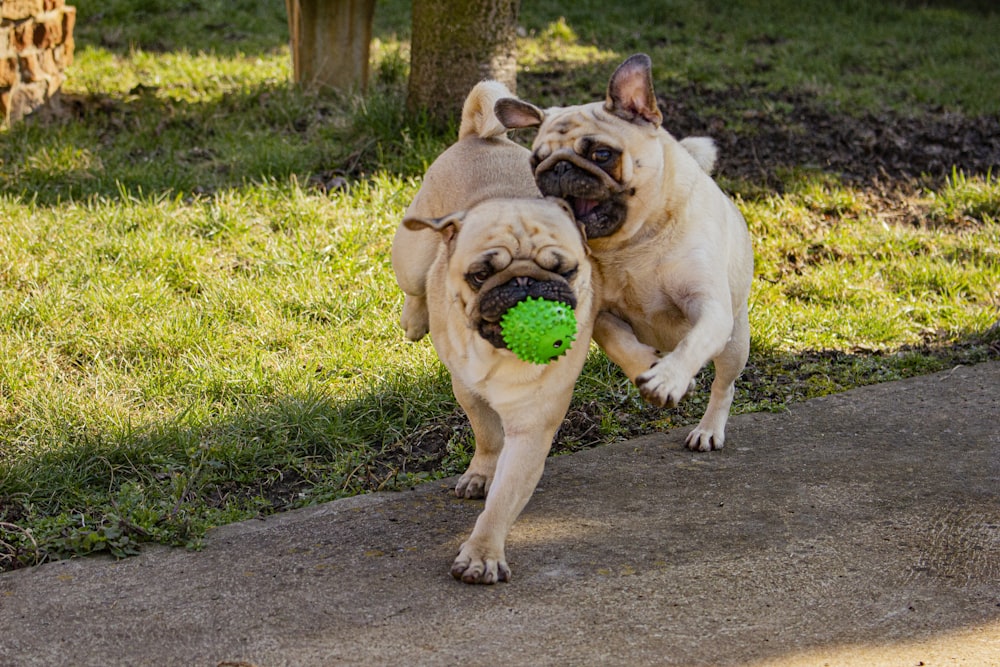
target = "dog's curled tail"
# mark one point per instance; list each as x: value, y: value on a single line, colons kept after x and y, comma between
x: 478, y: 117
x: 703, y: 150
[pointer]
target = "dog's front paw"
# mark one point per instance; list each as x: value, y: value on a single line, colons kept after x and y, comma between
x: 663, y: 385
x: 710, y: 433
x: 474, y: 566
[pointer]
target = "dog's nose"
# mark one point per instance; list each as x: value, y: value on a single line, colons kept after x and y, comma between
x: 560, y: 168
x: 524, y: 281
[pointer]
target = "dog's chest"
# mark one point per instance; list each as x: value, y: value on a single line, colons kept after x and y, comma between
x: 635, y: 293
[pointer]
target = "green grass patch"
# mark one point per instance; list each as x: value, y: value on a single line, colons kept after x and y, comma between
x: 855, y: 54
x: 192, y: 333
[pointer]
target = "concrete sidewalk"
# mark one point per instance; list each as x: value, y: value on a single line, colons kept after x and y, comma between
x: 856, y: 529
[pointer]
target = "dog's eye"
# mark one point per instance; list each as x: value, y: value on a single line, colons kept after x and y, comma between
x: 569, y: 274
x: 600, y: 155
x: 477, y: 278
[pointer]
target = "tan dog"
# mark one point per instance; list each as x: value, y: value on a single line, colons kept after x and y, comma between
x: 490, y: 259
x: 483, y: 164
x: 672, y: 252
x: 483, y: 262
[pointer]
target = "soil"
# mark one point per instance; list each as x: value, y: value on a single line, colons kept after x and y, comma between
x: 793, y: 131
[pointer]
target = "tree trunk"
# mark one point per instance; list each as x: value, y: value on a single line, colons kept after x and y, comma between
x: 330, y: 42
x: 456, y: 44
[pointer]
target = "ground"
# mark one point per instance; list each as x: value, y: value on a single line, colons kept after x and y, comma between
x: 870, y: 150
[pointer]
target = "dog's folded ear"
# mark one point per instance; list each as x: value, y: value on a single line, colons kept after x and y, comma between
x: 516, y: 114
x: 630, y: 91
x: 446, y: 226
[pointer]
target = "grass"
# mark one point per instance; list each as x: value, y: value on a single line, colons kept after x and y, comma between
x: 192, y: 334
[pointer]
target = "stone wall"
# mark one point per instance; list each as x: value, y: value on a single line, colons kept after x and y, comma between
x: 36, y: 45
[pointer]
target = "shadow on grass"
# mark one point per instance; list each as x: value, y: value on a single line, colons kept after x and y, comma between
x: 146, y: 143
x: 99, y: 146
x: 167, y: 483
x: 237, y: 27
x: 984, y: 7
x: 109, y: 491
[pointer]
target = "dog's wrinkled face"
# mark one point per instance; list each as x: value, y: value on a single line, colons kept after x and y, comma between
x: 504, y: 254
x: 596, y: 162
x: 503, y: 251
x: 598, y: 157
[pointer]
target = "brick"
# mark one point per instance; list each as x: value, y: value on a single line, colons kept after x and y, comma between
x: 63, y: 53
x: 5, y: 96
x: 48, y: 32
x: 47, y: 63
x: 5, y: 46
x: 9, y: 74
x: 16, y: 10
x: 36, y: 46
x: 31, y: 69
x: 26, y: 98
x: 55, y: 81
x: 22, y: 35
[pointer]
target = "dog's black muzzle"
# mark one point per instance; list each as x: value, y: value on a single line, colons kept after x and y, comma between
x: 494, y: 303
x: 600, y: 209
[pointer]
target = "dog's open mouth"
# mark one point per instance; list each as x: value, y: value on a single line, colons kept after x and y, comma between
x: 600, y: 217
x: 492, y: 332
x: 582, y: 207
x: 598, y: 203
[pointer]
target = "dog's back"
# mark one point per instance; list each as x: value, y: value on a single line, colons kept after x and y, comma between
x: 483, y: 164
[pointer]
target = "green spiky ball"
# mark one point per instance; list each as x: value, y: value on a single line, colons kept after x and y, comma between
x: 539, y: 330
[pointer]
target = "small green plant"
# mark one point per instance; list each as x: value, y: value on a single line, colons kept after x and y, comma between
x: 966, y: 200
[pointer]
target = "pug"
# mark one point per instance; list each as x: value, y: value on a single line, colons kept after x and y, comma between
x: 477, y: 239
x: 489, y: 259
x: 671, y: 251
x: 483, y: 164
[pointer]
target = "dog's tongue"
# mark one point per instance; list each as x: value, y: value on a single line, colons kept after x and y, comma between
x: 582, y: 207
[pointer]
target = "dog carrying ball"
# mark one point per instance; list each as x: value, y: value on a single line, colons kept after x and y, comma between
x: 539, y: 330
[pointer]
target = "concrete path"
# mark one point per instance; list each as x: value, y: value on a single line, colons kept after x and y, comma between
x: 856, y: 529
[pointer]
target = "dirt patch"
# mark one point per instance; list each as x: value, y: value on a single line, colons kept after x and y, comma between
x: 761, y: 134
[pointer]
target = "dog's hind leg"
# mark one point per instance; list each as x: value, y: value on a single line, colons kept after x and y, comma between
x: 710, y: 433
x: 413, y: 253
x: 415, y: 319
